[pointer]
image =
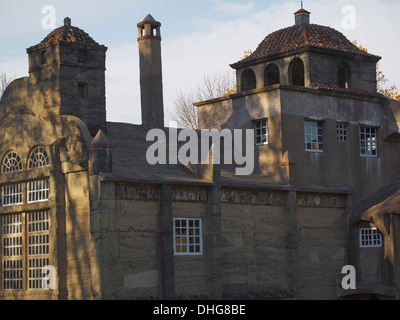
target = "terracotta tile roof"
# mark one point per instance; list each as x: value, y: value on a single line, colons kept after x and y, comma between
x: 302, y: 36
x: 67, y: 34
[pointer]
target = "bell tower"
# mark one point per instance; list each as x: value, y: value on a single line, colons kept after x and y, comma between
x: 149, y: 39
x: 69, y: 68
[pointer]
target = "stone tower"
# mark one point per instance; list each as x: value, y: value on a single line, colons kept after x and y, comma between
x: 149, y: 39
x: 69, y: 67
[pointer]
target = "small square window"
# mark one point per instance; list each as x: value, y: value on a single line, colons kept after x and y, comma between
x: 261, y: 132
x: 313, y: 136
x: 12, y: 194
x: 188, y: 237
x: 368, y: 142
x: 38, y: 191
x: 342, y: 132
x: 370, y: 238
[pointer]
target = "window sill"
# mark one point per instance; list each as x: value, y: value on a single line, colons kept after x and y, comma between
x: 314, y: 151
x: 36, y: 206
x: 367, y: 156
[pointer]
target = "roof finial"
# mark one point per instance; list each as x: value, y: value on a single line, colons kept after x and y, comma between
x: 302, y: 5
x: 67, y: 22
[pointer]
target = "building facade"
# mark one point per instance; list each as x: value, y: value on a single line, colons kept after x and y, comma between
x: 84, y: 214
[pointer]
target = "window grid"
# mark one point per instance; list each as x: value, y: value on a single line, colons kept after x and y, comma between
x: 35, y: 249
x: 342, y: 132
x: 188, y: 237
x: 38, y: 247
x: 261, y: 132
x: 12, y: 252
x: 12, y: 163
x: 38, y: 158
x: 38, y: 191
x: 370, y: 238
x: 313, y: 136
x: 368, y: 143
x: 12, y: 194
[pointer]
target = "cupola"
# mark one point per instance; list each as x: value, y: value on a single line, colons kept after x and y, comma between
x: 302, y: 16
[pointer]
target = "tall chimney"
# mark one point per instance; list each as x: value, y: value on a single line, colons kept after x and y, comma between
x: 151, y: 85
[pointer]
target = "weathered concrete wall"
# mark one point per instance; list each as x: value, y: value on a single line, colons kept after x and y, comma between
x: 341, y: 163
x: 192, y: 272
x: 324, y: 68
x: 254, y: 248
x: 322, y: 236
x: 125, y: 227
x: 81, y: 257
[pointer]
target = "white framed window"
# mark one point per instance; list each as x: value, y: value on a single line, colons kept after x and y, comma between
x: 11, y: 194
x: 313, y: 136
x: 188, y: 236
x: 38, y: 158
x: 342, y: 132
x: 368, y: 141
x: 25, y: 250
x: 11, y: 163
x: 38, y: 225
x: 261, y: 132
x: 370, y: 238
x: 12, y: 255
x: 38, y: 191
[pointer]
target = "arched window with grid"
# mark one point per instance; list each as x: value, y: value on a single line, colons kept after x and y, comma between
x: 38, y: 158
x: 11, y: 163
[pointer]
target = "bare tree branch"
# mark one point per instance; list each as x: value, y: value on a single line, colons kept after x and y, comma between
x: 4, y: 82
x: 185, y: 113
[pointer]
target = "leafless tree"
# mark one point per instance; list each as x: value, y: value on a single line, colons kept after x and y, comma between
x: 4, y: 82
x: 185, y: 113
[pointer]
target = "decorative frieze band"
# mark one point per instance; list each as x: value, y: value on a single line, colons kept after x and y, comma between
x: 229, y: 195
x: 321, y: 200
x: 137, y: 192
x: 256, y: 197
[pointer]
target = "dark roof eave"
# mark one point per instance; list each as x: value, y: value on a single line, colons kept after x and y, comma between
x: 42, y: 46
x: 248, y: 63
x: 335, y: 92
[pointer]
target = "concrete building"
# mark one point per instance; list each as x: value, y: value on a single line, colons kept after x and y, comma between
x: 80, y: 197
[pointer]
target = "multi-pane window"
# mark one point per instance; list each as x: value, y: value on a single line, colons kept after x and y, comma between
x: 34, y: 228
x: 342, y: 132
x: 11, y: 194
x: 38, y: 247
x: 370, y: 238
x: 11, y: 163
x: 12, y: 255
x: 38, y: 158
x: 261, y: 132
x: 368, y: 141
x: 38, y: 191
x: 313, y: 135
x: 188, y: 237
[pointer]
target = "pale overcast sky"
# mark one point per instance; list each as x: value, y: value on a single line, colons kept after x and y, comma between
x: 198, y: 37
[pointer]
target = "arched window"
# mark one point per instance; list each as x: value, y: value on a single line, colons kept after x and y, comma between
x: 38, y: 158
x: 296, y: 72
x: 11, y: 163
x: 248, y: 80
x: 344, y: 75
x: 272, y: 75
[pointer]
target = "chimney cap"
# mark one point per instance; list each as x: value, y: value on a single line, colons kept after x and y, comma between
x: 149, y: 20
x: 67, y: 22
